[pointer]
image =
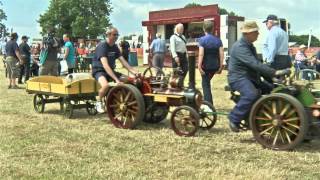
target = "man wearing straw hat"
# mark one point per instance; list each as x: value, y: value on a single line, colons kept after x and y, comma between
x: 244, y: 75
x: 275, y: 49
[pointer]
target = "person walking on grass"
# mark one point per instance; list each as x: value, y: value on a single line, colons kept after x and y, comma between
x: 158, y: 49
x: 25, y: 51
x: 69, y: 54
x: 210, y: 60
x: 13, y: 60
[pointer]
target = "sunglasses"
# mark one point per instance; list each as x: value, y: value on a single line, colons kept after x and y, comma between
x: 115, y: 34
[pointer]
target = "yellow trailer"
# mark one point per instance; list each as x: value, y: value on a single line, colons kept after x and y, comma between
x: 74, y: 91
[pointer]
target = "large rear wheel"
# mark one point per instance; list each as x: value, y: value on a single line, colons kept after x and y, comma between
x: 125, y: 106
x: 278, y: 121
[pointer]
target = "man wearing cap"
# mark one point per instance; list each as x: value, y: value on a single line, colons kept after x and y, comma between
x: 26, y: 56
x: 301, y: 60
x: 275, y: 49
x: 244, y: 75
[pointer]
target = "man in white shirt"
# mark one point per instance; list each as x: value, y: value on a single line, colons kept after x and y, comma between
x: 178, y: 48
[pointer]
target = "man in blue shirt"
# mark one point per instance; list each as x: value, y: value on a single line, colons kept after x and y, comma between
x: 104, y: 63
x: 244, y: 74
x: 158, y: 49
x: 275, y: 50
x: 69, y: 54
x: 210, y: 58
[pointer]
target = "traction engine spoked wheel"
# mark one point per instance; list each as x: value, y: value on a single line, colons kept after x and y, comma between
x: 147, y: 73
x: 185, y: 121
x: 38, y: 103
x: 278, y: 121
x: 208, y: 118
x: 125, y: 106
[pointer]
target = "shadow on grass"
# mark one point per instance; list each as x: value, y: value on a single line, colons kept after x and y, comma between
x: 78, y: 114
x: 165, y: 124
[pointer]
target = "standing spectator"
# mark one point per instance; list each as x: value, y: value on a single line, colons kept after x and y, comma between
x: 26, y: 56
x: 69, y: 53
x: 158, y: 49
x: 104, y: 63
x: 124, y: 49
x: 211, y: 57
x: 275, y: 50
x: 178, y: 48
x: 301, y: 61
x: 49, y: 65
x: 35, y: 60
x: 12, y: 60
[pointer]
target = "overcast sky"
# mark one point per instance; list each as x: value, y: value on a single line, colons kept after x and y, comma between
x: 127, y: 15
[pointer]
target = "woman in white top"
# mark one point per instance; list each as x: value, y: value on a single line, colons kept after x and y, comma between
x: 178, y: 48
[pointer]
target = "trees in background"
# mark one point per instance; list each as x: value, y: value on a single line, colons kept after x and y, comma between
x: 222, y: 11
x: 303, y: 39
x: 79, y: 18
x: 3, y: 28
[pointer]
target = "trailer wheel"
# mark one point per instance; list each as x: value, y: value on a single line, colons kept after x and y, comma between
x: 185, y: 121
x: 38, y: 103
x: 278, y: 121
x: 125, y: 106
x: 68, y: 109
x: 208, y: 116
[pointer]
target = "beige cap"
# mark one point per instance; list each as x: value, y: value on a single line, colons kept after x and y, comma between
x: 249, y: 26
x: 302, y: 46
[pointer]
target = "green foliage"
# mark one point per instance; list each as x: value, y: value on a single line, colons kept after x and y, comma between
x: 192, y: 5
x: 303, y: 39
x: 222, y: 11
x: 3, y: 16
x: 80, y: 18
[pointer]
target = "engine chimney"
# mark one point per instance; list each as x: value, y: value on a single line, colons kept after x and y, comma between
x: 192, y: 66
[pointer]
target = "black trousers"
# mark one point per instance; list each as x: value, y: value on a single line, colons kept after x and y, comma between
x: 281, y: 62
x: 183, y: 65
x: 25, y: 70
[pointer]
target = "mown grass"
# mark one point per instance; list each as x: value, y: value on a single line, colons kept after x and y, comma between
x: 48, y: 146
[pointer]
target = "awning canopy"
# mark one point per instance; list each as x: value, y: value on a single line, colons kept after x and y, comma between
x: 175, y: 20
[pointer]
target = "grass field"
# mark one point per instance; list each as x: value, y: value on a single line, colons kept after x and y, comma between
x: 47, y: 146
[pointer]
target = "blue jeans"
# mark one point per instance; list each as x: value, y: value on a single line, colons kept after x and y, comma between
x: 206, y: 86
x: 248, y: 96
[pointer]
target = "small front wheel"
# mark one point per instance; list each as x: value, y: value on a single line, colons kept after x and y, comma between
x: 185, y: 121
